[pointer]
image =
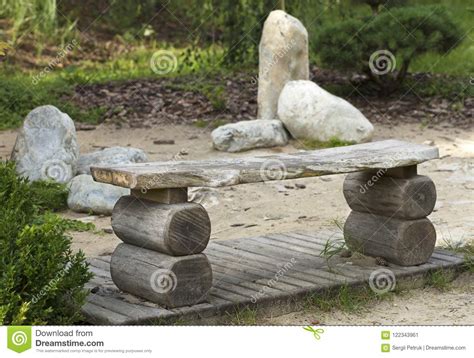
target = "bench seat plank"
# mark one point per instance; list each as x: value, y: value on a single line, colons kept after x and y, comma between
x: 233, y: 171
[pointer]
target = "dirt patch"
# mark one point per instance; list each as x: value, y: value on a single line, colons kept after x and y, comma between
x: 230, y: 98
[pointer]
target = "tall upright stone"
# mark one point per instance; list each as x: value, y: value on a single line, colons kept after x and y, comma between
x: 283, y: 56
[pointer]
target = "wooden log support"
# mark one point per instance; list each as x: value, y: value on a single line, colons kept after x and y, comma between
x: 402, y: 242
x: 412, y: 198
x: 173, y: 229
x: 165, y: 196
x: 166, y: 280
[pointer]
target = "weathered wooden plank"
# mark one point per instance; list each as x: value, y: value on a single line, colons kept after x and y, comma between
x: 233, y: 171
x: 254, y: 272
x: 297, y: 276
x: 100, y: 264
x: 131, y: 310
x: 99, y: 272
x: 403, y: 242
x: 173, y: 229
x: 412, y: 198
x: 101, y: 316
x: 229, y: 295
x: 314, y: 247
x: 449, y: 256
x: 167, y: 280
x: 305, y: 264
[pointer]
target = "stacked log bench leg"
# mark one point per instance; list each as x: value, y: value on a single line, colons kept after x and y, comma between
x: 388, y: 218
x: 161, y: 257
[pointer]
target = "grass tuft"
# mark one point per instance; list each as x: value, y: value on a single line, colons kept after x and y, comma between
x: 243, y: 317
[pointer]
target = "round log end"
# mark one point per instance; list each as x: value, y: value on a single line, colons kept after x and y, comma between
x: 417, y: 239
x: 189, y: 230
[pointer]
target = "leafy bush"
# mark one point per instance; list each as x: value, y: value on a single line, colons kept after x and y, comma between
x: 404, y: 32
x: 41, y: 278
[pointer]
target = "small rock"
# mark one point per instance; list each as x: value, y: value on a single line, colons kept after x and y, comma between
x: 245, y: 135
x: 88, y: 219
x: 108, y: 230
x: 163, y: 141
x: 46, y: 147
x: 310, y: 112
x: 325, y: 179
x: 87, y: 195
x: 110, y: 156
x: 85, y: 127
x: 300, y: 186
x: 237, y: 225
x: 288, y: 186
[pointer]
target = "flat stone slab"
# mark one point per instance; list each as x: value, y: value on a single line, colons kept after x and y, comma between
x: 233, y: 171
x: 264, y: 272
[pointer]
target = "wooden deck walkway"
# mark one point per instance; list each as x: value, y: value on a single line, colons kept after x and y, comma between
x: 273, y: 270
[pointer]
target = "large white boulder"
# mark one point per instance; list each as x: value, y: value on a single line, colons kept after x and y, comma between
x: 310, y: 112
x: 87, y: 195
x: 46, y: 147
x: 283, y: 56
x: 245, y: 135
x: 110, y: 156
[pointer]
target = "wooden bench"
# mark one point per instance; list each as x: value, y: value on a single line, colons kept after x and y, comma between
x: 164, y: 235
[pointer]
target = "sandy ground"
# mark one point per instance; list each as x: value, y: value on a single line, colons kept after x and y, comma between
x: 280, y: 206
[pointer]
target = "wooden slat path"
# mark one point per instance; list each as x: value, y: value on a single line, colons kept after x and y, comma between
x: 233, y: 171
x: 286, y: 267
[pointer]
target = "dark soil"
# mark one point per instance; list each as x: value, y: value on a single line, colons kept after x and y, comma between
x: 187, y: 100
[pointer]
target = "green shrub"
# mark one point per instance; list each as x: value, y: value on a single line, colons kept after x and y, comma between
x: 49, y: 195
x: 41, y: 278
x: 404, y: 32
